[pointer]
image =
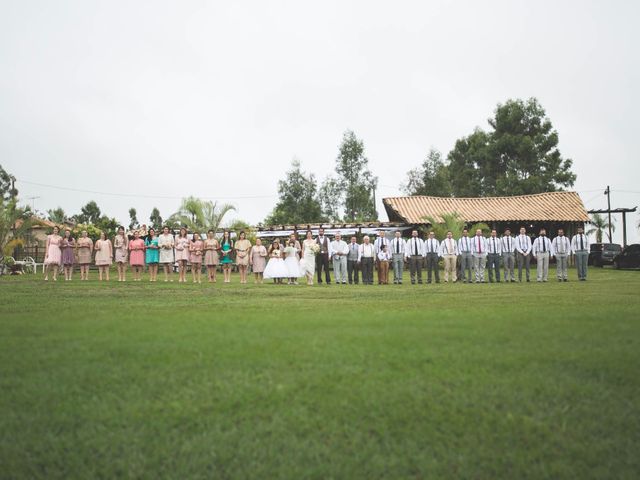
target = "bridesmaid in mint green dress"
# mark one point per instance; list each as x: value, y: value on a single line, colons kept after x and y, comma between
x: 226, y: 249
x: 152, y: 254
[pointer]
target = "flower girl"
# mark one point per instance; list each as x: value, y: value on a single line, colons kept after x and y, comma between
x: 275, y: 268
x: 292, y: 263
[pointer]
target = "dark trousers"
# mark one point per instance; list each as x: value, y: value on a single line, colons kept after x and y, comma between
x: 352, y: 271
x: 415, y: 268
x: 366, y: 264
x: 432, y: 266
x: 493, y: 265
x: 322, y: 261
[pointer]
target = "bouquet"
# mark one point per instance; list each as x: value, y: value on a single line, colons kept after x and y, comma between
x: 315, y: 248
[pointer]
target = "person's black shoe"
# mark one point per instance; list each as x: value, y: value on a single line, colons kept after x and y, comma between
x: 565, y: 280
x: 528, y: 280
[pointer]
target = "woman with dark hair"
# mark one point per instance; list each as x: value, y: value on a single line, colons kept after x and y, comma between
x: 85, y: 250
x: 120, y: 245
x: 276, y: 268
x: 242, y: 255
x: 104, y: 255
x: 182, y: 254
x: 226, y: 248
x: 308, y: 262
x: 136, y: 255
x: 195, y: 249
x: 165, y: 243
x: 211, y: 258
x: 152, y: 254
x: 53, y: 254
x: 68, y: 255
x: 258, y: 260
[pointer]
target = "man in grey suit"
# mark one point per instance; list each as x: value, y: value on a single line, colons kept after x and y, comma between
x: 413, y: 253
x: 397, y: 257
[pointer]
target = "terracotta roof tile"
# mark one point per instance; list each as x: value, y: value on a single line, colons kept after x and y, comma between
x: 550, y: 206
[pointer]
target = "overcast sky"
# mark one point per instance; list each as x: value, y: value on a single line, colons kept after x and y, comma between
x: 153, y: 101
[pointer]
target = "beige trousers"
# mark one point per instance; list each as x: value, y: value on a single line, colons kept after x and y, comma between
x: 450, y: 268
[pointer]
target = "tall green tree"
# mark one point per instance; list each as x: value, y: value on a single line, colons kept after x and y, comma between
x: 518, y: 155
x: 200, y: 215
x: 155, y: 219
x: 57, y: 215
x: 354, y: 185
x: 298, y: 200
x: 90, y: 213
x: 133, y: 218
x: 430, y: 178
x: 7, y: 185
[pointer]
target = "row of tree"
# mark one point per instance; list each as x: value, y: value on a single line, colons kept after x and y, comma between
x: 517, y: 155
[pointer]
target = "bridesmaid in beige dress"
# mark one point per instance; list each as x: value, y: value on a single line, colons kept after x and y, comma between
x: 242, y: 255
x: 85, y: 250
x: 104, y: 254
x: 121, y: 246
x: 182, y: 254
x: 166, y: 243
x: 195, y: 250
x: 211, y: 257
x: 258, y: 260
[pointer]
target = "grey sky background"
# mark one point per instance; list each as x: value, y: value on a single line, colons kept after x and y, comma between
x: 158, y: 100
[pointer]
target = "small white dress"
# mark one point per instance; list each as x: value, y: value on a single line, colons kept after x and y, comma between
x: 276, y: 267
x: 292, y: 263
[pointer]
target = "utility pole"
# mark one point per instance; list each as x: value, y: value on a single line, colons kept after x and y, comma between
x: 607, y: 192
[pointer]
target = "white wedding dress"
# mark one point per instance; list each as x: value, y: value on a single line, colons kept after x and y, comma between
x: 275, y: 267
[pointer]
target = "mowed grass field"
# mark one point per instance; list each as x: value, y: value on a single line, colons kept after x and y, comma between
x: 141, y: 380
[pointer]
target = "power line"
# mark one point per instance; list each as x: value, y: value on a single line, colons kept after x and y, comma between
x: 138, y: 195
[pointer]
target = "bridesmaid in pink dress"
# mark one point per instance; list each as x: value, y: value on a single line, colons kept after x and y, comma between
x: 258, y: 260
x: 182, y: 254
x: 85, y: 249
x: 195, y: 249
x: 53, y: 254
x: 136, y: 255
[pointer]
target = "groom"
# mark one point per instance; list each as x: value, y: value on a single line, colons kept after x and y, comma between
x: 322, y: 258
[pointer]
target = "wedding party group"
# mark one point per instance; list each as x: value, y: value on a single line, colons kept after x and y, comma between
x: 468, y: 259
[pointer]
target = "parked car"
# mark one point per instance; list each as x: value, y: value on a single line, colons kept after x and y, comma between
x: 629, y: 257
x: 602, y: 254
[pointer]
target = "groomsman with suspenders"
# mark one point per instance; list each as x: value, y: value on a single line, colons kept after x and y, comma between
x: 580, y: 246
x: 494, y: 252
x: 449, y: 252
x: 378, y: 243
x: 523, y: 251
x: 432, y: 254
x: 322, y: 258
x: 479, y: 252
x: 542, y: 250
x: 562, y: 247
x: 413, y: 254
x: 352, y: 261
x: 508, y: 257
x: 466, y: 260
x: 366, y: 257
x: 397, y: 257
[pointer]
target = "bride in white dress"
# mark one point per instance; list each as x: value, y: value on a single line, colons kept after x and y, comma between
x: 275, y: 268
x: 308, y: 262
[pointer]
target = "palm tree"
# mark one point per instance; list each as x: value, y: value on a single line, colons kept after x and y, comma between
x: 600, y: 224
x: 15, y: 222
x: 455, y: 223
x: 200, y: 215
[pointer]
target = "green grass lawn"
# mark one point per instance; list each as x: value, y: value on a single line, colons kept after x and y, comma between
x: 143, y: 380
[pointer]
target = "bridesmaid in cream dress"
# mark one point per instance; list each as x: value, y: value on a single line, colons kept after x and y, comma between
x: 182, y: 254
x: 121, y: 246
x: 68, y: 254
x: 195, y: 249
x: 211, y: 257
x: 104, y: 254
x: 309, y: 257
x: 242, y: 255
x: 85, y: 250
x: 258, y: 260
x: 53, y: 254
x: 166, y: 243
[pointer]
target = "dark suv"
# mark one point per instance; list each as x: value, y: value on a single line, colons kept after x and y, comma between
x: 603, y: 253
x: 629, y: 257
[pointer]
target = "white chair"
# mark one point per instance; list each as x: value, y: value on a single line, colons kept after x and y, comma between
x: 29, y: 265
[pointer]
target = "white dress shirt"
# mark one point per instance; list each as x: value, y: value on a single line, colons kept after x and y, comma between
x: 414, y: 247
x: 336, y: 247
x: 464, y: 245
x: 431, y: 245
x: 379, y: 242
x: 523, y: 244
x: 397, y: 246
x: 384, y: 256
x: 561, y: 245
x: 479, y: 246
x: 366, y: 250
x: 576, y: 242
x: 448, y: 247
x: 542, y: 245
x: 494, y: 245
x: 508, y: 244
